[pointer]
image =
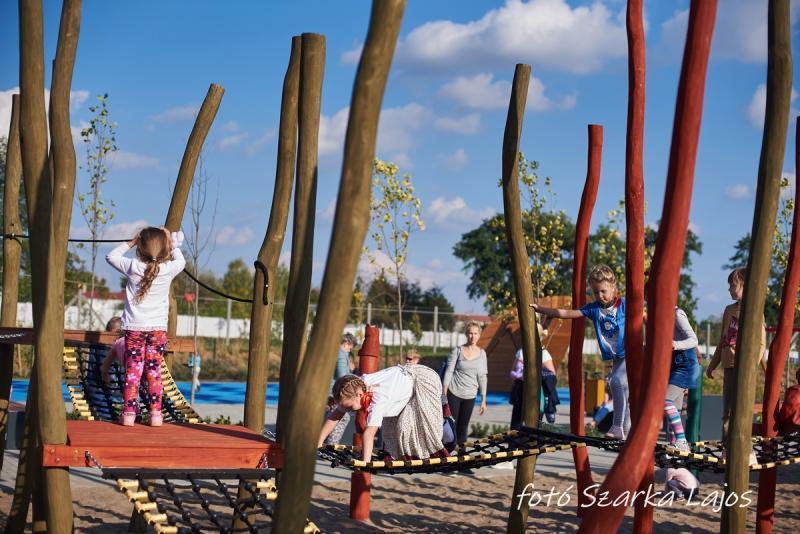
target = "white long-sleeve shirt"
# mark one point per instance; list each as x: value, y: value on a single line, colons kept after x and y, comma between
x: 152, y: 311
x: 683, y: 337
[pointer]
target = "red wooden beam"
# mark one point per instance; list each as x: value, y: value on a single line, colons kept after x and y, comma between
x: 627, y: 472
x: 360, y: 483
x: 575, y: 364
x: 778, y: 354
x: 170, y: 446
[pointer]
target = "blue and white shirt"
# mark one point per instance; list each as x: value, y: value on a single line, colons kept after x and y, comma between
x: 609, y: 324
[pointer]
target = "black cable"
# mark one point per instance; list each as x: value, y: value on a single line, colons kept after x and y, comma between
x: 220, y: 293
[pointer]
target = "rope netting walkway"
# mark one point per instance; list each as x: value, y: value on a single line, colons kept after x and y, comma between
x: 704, y: 455
x: 93, y: 399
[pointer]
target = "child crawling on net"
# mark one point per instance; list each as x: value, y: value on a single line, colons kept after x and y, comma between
x: 404, y: 400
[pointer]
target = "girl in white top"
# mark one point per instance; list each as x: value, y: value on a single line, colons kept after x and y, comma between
x: 157, y: 261
x: 405, y: 400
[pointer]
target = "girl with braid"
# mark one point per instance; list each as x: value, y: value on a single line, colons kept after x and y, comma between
x: 158, y: 259
x: 405, y: 400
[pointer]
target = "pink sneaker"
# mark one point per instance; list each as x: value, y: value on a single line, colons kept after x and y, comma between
x: 156, y: 418
x: 127, y: 419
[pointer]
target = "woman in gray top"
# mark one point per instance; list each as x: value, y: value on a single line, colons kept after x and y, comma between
x: 466, y: 374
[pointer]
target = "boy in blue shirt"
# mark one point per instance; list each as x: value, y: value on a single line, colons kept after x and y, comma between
x: 607, y: 313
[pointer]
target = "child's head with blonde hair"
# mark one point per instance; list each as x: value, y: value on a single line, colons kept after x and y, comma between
x: 603, y: 283
x: 348, y: 390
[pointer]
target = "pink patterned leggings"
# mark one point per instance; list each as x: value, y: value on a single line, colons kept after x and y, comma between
x: 143, y: 353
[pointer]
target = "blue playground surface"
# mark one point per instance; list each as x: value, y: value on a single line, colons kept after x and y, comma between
x: 233, y: 393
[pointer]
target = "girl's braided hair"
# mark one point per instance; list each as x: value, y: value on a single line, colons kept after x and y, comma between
x: 348, y: 386
x: 153, y: 248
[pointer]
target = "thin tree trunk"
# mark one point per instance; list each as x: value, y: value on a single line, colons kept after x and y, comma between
x: 751, y: 319
x: 399, y: 308
x: 12, y: 251
x: 268, y: 255
x: 634, y: 237
x: 631, y: 464
x: 295, y: 313
x: 350, y: 226
x: 531, y: 347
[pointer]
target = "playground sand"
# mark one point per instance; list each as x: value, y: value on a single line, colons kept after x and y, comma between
x: 440, y: 503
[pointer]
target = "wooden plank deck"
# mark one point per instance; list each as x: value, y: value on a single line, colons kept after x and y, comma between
x: 173, y: 445
x: 24, y: 336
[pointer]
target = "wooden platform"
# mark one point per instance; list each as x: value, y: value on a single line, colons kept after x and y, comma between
x: 24, y: 336
x: 173, y: 446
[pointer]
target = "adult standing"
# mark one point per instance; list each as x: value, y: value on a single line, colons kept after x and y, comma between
x: 464, y: 376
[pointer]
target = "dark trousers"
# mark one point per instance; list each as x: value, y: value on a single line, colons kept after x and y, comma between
x: 550, y: 396
x: 462, y: 412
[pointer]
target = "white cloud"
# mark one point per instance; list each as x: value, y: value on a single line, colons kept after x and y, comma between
x: 231, y: 140
x: 694, y: 227
x: 738, y: 191
x: 230, y: 126
x: 120, y: 230
x: 427, y: 277
x: 740, y: 30
x: 122, y: 159
x: 402, y: 161
x: 177, y: 114
x: 757, y: 107
x: 327, y: 213
x: 230, y: 235
x: 454, y: 214
x: 76, y: 100
x: 259, y: 143
x: 467, y: 124
x: 547, y: 33
x: 481, y: 92
x: 456, y: 160
x: 332, y: 131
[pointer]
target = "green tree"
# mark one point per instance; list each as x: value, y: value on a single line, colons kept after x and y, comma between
x: 238, y: 281
x: 395, y: 213
x: 100, y: 140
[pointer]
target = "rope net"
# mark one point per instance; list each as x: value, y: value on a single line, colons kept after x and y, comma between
x: 93, y: 399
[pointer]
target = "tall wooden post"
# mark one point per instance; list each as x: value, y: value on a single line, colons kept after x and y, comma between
x: 183, y: 183
x: 268, y: 255
x: 520, y: 270
x: 779, y: 90
x: 295, y: 313
x: 630, y: 466
x: 778, y: 354
x: 580, y: 455
x: 634, y: 234
x: 12, y: 250
x: 360, y: 482
x: 349, y: 228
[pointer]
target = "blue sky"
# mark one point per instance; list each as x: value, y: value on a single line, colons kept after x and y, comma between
x: 443, y: 113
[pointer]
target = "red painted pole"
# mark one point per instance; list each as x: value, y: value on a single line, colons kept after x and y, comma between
x: 627, y: 472
x: 778, y: 353
x: 575, y: 364
x: 360, y: 483
x: 634, y: 235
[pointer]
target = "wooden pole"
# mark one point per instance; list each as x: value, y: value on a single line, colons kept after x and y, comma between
x: 183, y: 183
x: 49, y: 187
x: 349, y: 228
x: 778, y: 355
x: 751, y: 319
x: 580, y: 455
x: 12, y: 250
x: 634, y: 235
x: 627, y: 472
x: 268, y: 255
x: 295, y: 312
x: 361, y: 482
x: 520, y: 263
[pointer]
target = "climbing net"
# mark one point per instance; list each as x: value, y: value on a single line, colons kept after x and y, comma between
x: 182, y: 501
x: 93, y: 399
x: 704, y: 455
